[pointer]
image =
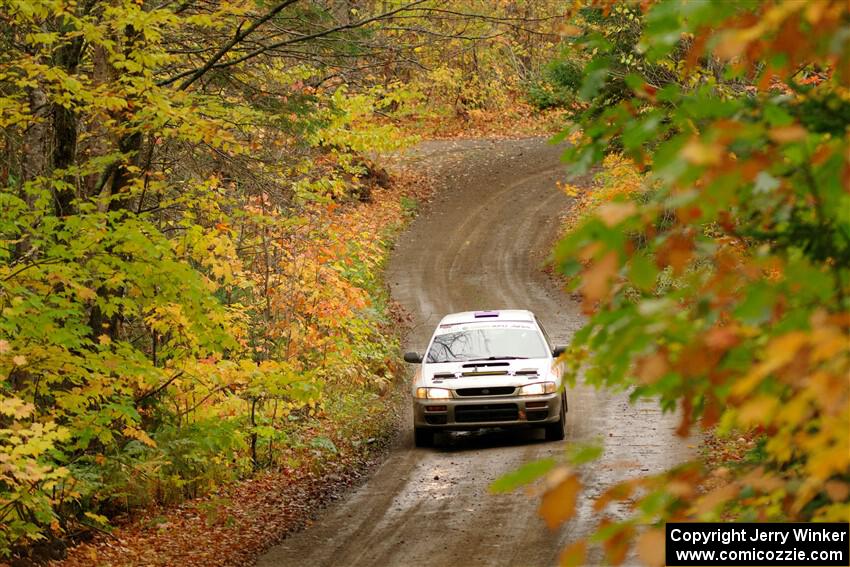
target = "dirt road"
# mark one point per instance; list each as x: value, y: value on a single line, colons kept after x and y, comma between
x: 480, y: 246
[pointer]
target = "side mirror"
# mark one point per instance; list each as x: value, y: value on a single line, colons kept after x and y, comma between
x: 412, y: 357
x: 558, y: 351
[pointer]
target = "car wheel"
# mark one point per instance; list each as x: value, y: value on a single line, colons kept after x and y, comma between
x: 557, y: 431
x: 423, y: 437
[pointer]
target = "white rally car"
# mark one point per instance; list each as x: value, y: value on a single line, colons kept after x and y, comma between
x: 488, y: 369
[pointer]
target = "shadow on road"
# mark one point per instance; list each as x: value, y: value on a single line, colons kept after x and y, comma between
x: 456, y: 441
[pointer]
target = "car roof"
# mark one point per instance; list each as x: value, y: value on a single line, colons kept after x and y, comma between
x: 492, y: 315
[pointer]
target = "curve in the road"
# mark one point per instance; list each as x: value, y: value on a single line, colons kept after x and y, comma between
x: 481, y: 245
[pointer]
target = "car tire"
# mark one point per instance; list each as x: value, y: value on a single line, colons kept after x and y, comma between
x: 557, y: 431
x: 423, y: 437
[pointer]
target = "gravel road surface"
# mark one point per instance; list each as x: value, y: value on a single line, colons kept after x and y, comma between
x: 480, y: 245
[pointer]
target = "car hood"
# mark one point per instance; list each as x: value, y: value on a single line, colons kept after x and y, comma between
x: 485, y: 373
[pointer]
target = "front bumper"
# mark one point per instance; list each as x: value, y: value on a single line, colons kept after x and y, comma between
x: 495, y: 411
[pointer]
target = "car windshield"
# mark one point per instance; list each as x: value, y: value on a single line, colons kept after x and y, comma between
x: 486, y: 343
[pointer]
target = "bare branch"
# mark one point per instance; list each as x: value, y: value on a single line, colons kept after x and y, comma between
x: 272, y: 46
x: 224, y: 49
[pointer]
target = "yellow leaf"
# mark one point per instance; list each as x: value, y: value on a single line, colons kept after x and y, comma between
x: 757, y: 411
x: 19, y: 360
x: 559, y: 502
x: 698, y: 153
x: 85, y: 293
x: 783, y: 349
x: 828, y: 461
x: 778, y: 353
x: 139, y: 435
x: 15, y: 407
x: 615, y: 213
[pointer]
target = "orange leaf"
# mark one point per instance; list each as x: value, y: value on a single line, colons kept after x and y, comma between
x: 676, y: 252
x: 722, y: 338
x: 617, y: 545
x: 559, y: 503
x: 569, y: 30
x: 618, y: 492
x: 716, y: 497
x: 684, y: 428
x: 837, y: 490
x: 711, y: 413
x: 574, y: 555
x: 786, y: 134
x: 650, y: 547
x: 596, y: 280
x: 651, y: 368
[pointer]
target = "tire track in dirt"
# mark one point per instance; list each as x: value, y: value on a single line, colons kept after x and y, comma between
x: 480, y: 245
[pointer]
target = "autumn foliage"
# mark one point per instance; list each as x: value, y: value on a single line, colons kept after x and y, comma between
x: 719, y: 285
x: 193, y: 224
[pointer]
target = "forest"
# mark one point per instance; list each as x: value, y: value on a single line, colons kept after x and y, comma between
x: 196, y: 209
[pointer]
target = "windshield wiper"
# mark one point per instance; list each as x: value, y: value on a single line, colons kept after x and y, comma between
x: 497, y: 358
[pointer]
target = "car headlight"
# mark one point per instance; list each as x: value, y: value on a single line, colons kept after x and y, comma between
x: 433, y: 393
x: 538, y: 389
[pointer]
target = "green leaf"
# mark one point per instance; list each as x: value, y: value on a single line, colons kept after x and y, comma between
x: 579, y: 454
x: 643, y: 272
x: 529, y: 472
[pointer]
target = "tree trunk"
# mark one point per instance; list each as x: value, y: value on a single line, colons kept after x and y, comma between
x: 64, y: 153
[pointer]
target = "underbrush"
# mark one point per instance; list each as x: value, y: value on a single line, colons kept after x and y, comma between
x: 510, y: 117
x: 307, y: 450
x: 326, y: 451
x: 321, y: 399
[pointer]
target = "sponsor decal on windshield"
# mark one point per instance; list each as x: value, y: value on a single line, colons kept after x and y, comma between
x: 460, y: 327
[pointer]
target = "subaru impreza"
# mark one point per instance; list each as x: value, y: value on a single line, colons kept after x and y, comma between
x: 486, y: 369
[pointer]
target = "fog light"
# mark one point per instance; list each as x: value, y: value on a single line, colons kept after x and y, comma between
x: 435, y: 408
x: 530, y: 405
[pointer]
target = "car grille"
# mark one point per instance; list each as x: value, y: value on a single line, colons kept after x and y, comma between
x: 495, y: 391
x: 486, y: 412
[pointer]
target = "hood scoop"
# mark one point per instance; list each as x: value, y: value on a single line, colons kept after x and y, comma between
x: 443, y: 375
x: 526, y: 372
x: 487, y: 368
